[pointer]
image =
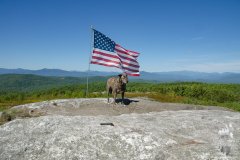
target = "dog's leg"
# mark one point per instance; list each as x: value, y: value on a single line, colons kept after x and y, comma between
x: 114, y: 97
x: 122, y: 97
x: 109, y: 91
x: 108, y: 97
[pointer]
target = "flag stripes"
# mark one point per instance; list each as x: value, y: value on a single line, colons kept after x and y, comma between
x: 107, y: 53
x: 123, y: 50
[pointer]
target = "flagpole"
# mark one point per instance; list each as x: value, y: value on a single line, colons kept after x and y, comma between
x: 90, y: 55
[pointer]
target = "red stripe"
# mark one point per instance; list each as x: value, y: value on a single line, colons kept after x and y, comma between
x: 105, y: 54
x: 121, y: 51
x: 130, y: 74
x: 133, y: 52
x: 105, y: 60
x: 129, y: 69
x: 114, y: 56
x: 126, y: 53
x: 127, y: 50
x: 104, y: 64
x: 118, y: 63
x: 129, y: 64
x: 132, y: 60
x: 133, y: 74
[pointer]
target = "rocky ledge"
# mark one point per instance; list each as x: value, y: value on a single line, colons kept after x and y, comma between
x: 181, y: 134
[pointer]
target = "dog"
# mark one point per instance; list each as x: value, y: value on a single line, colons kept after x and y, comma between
x: 117, y: 85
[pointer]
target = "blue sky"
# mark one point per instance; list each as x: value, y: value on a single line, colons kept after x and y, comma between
x: 171, y: 35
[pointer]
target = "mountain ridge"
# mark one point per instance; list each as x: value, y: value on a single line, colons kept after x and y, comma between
x: 171, y: 76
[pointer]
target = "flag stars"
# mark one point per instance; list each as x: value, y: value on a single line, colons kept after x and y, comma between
x: 103, y: 42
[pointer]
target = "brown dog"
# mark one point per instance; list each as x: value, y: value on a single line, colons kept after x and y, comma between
x: 117, y: 85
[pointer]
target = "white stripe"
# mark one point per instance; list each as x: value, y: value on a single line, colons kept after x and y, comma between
x: 106, y: 57
x: 132, y: 72
x: 107, y: 63
x: 125, y: 55
x: 107, y: 52
x: 130, y: 67
x: 117, y: 65
x: 129, y: 52
x: 130, y: 56
x: 128, y: 61
x: 114, y: 59
x: 111, y: 58
x: 129, y: 70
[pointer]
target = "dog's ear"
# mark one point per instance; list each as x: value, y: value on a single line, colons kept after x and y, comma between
x: 119, y: 78
x: 124, y: 74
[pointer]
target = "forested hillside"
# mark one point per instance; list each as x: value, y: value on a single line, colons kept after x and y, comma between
x: 20, y: 89
x: 171, y: 76
x: 28, y: 82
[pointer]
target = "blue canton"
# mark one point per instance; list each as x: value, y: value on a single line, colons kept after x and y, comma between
x: 103, y: 42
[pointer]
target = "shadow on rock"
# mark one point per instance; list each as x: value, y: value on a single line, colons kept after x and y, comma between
x: 126, y: 101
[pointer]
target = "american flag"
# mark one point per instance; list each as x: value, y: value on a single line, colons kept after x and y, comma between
x: 107, y: 53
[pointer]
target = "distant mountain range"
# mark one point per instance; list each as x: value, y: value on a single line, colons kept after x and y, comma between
x: 55, y: 72
x: 173, y: 76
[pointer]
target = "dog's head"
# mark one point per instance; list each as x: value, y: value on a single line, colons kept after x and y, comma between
x: 123, y: 78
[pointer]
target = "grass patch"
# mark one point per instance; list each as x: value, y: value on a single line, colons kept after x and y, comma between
x: 171, y: 98
x: 225, y: 95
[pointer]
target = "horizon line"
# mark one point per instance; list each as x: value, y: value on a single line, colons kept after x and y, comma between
x: 115, y: 71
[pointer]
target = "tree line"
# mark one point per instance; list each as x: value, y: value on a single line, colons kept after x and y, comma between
x: 227, y: 95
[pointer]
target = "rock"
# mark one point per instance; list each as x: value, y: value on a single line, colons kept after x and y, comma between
x: 4, y: 117
x: 19, y: 113
x: 99, y: 106
x: 186, y: 134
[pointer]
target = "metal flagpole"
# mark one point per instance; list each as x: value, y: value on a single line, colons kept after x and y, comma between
x: 90, y: 56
